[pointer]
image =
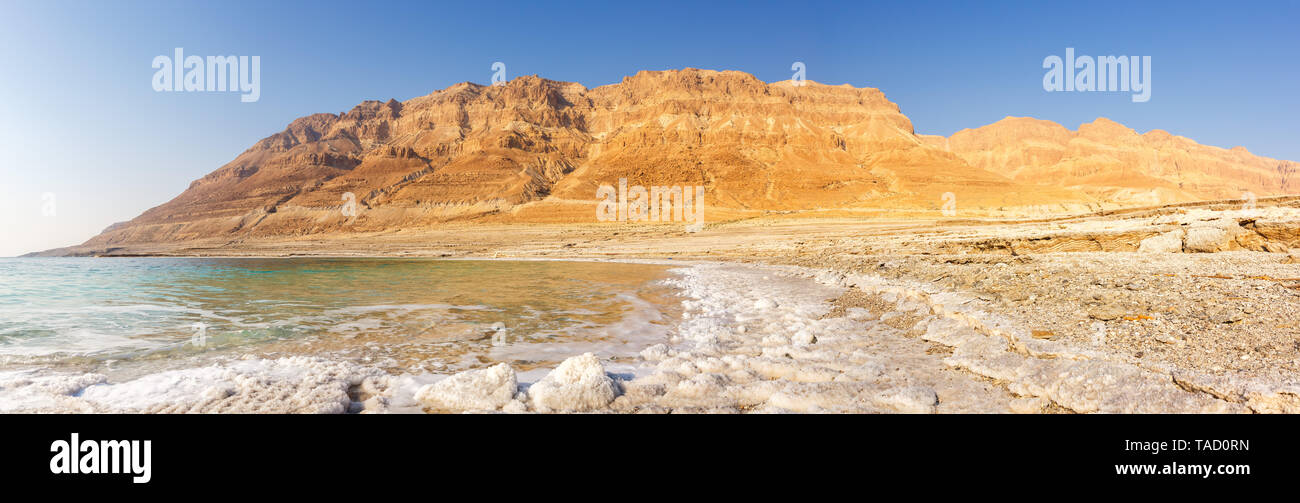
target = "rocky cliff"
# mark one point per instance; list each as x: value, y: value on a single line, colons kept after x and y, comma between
x: 536, y: 150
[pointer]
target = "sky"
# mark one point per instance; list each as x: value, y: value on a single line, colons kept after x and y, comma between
x: 86, y: 141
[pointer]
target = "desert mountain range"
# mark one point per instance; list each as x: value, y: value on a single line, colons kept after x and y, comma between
x: 536, y: 150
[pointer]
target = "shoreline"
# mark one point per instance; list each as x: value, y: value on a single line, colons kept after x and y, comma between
x: 949, y: 351
x: 1080, y: 297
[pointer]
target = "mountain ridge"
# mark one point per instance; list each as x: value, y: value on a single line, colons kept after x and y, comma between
x: 1111, y: 161
x: 536, y: 150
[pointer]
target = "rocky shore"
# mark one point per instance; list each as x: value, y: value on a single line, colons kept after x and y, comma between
x: 1192, y: 308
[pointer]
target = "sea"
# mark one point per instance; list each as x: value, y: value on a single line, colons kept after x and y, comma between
x: 129, y: 318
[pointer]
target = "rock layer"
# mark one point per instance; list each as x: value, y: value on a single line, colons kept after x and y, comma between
x: 1114, y: 163
x: 536, y: 150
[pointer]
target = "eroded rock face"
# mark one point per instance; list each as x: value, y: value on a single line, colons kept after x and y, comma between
x: 540, y: 149
x: 535, y: 150
x: 1208, y: 239
x: 1169, y: 242
x: 1115, y: 163
x: 1224, y: 234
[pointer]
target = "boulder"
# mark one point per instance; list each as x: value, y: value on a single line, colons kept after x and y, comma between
x: 1213, y: 236
x: 1169, y: 242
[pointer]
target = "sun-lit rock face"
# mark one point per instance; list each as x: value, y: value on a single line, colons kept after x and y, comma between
x: 1116, y: 164
x: 536, y: 150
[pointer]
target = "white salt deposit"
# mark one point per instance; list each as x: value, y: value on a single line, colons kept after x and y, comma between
x: 285, y: 385
x: 485, y: 389
x: 750, y: 339
x: 578, y: 384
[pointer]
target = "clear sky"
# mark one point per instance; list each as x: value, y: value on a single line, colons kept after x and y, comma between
x: 79, y: 118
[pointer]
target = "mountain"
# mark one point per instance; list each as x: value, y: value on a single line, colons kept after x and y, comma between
x: 1114, y: 163
x: 536, y: 150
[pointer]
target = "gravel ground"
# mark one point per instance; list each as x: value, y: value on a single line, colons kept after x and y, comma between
x: 1231, y: 313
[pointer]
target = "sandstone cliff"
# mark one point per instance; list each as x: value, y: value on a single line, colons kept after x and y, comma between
x: 535, y: 150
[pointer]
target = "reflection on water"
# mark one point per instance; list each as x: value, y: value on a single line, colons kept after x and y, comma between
x: 138, y: 315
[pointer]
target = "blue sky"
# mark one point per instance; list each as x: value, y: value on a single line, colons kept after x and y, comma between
x: 79, y: 117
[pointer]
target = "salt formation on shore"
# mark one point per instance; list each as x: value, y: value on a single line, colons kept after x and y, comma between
x: 286, y: 385
x: 751, y: 339
x: 754, y: 340
x: 578, y: 384
x: 767, y: 340
x: 485, y: 389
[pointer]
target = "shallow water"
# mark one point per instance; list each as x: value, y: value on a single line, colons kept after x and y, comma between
x: 131, y: 316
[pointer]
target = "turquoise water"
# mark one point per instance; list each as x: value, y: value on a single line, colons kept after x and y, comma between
x: 136, y: 315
